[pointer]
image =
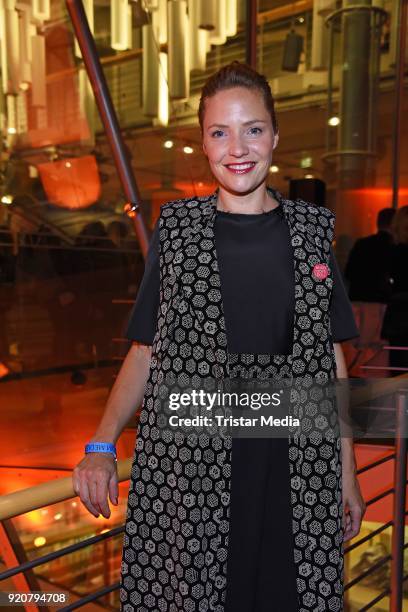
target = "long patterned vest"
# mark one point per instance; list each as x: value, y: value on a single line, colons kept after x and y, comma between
x: 176, y: 535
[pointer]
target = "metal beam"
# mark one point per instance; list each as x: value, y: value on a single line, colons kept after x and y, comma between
x: 13, y: 554
x: 400, y: 482
x: 401, y: 18
x: 250, y: 32
x: 108, y: 117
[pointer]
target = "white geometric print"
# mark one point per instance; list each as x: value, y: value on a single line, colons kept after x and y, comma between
x: 177, y: 522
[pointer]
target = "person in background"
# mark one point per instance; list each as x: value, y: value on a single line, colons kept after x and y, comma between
x: 395, y: 324
x: 368, y: 266
x: 369, y: 278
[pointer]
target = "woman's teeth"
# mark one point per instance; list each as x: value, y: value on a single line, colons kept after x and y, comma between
x: 240, y: 168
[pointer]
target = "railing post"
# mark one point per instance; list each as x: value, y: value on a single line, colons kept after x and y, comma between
x: 400, y: 476
x: 13, y: 553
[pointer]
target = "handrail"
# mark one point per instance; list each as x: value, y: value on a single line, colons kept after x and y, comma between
x: 16, y: 503
x: 373, y: 568
x: 382, y: 387
x: 54, y: 370
x: 61, y: 552
x: 379, y: 496
x: 376, y: 599
x: 91, y: 597
x: 32, y: 214
x: 375, y: 463
x: 33, y: 498
x: 47, y: 493
x: 368, y: 537
x: 74, y: 248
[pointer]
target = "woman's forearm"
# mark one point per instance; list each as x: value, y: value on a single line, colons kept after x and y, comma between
x: 348, y: 458
x: 343, y: 397
x: 126, y: 394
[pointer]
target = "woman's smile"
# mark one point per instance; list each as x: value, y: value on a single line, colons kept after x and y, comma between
x: 240, y: 168
x: 238, y: 140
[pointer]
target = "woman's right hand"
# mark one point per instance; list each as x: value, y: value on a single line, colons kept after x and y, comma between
x: 93, y: 478
x: 96, y: 476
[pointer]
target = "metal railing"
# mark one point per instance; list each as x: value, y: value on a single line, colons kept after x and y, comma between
x: 386, y: 347
x: 395, y: 590
x: 14, y: 504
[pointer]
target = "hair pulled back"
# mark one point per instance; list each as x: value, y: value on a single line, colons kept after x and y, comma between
x: 237, y: 74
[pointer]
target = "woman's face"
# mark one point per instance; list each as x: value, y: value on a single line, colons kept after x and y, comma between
x: 238, y: 139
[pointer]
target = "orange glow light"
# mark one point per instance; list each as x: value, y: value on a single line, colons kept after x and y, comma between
x: 357, y: 209
x: 73, y: 183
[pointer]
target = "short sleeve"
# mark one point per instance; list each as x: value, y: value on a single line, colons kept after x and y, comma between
x: 343, y: 324
x: 143, y: 317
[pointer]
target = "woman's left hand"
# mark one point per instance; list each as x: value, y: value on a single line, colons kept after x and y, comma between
x: 354, y: 506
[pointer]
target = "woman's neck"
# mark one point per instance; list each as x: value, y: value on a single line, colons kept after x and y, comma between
x: 256, y: 202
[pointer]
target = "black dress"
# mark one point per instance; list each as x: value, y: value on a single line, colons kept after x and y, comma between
x: 256, y: 267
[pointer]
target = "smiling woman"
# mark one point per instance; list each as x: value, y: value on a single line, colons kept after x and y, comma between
x: 255, y: 248
x: 241, y: 147
x: 240, y: 284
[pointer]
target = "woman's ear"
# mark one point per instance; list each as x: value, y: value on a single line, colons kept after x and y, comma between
x: 275, y: 140
x: 204, y: 149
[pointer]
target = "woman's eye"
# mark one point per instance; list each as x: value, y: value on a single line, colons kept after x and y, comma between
x: 217, y: 133
x: 251, y: 130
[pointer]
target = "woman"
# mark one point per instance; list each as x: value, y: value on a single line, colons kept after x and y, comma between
x: 234, y: 524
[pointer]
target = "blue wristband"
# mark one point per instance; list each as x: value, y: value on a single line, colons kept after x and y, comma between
x: 100, y: 447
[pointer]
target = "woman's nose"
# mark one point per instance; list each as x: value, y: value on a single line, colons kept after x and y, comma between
x: 238, y: 146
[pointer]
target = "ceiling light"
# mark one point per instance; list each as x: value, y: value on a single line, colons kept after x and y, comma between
x: 188, y: 150
x: 11, y: 130
x: 306, y: 162
x: 309, y: 176
x: 40, y: 541
x: 120, y: 13
x: 334, y: 120
x: 168, y: 144
x: 274, y: 168
x: 7, y: 199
